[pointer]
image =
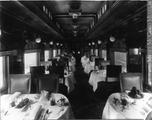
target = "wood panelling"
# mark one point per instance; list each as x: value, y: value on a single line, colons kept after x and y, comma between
x: 149, y: 42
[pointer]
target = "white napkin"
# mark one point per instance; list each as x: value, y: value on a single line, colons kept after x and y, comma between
x: 14, y: 96
x: 34, y: 112
x: 43, y: 97
x: 5, y: 100
x: 13, y: 114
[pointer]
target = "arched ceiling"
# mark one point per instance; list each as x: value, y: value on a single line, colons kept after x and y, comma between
x: 78, y: 21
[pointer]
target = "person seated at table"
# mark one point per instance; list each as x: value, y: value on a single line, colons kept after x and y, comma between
x: 72, y: 63
x: 84, y: 60
x: 88, y: 66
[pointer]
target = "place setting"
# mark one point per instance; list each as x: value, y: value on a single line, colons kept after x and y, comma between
x: 35, y: 106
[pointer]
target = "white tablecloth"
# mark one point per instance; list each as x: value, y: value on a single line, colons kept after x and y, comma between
x: 95, y: 77
x: 139, y: 110
x: 38, y: 102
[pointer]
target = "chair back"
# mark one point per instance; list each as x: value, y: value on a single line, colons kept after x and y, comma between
x: 113, y: 72
x: 49, y: 82
x: 19, y: 83
x: 36, y: 71
x: 129, y: 80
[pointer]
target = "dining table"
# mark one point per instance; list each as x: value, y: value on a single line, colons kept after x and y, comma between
x: 132, y: 108
x: 95, y: 77
x: 42, y: 106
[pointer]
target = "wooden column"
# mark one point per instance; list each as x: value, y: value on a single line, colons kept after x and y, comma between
x: 149, y: 40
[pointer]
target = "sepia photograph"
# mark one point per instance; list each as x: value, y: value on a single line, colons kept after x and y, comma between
x: 75, y: 59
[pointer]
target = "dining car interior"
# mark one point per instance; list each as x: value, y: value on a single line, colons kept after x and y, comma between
x: 76, y: 59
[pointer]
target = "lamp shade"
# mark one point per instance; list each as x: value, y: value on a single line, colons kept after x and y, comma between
x: 38, y: 40
x: 112, y: 39
x: 51, y: 42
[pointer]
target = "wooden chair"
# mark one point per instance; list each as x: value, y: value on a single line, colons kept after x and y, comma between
x: 129, y: 80
x: 36, y: 71
x: 49, y: 82
x: 19, y: 83
x: 113, y: 73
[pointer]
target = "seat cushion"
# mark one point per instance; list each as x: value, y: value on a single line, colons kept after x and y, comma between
x: 129, y: 80
x: 20, y: 83
x: 49, y: 83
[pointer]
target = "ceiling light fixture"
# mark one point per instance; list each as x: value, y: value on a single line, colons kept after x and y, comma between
x: 44, y: 8
x: 93, y: 43
x: 75, y: 15
x: 75, y: 26
x: 51, y: 42
x: 112, y: 39
x: 75, y: 32
x: 57, y: 44
x: 38, y: 40
x: 99, y: 42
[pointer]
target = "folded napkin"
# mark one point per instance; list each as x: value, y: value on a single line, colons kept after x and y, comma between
x: 6, y: 100
x: 14, y: 96
x: 44, y: 96
x: 13, y: 114
x: 34, y: 112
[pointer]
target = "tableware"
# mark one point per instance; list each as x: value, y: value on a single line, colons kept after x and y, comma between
x: 37, y: 96
x: 47, y: 113
x: 42, y: 114
x: 136, y: 94
x: 22, y: 103
x: 52, y: 102
x: 122, y: 102
x: 26, y: 107
x: 62, y: 102
x: 13, y: 104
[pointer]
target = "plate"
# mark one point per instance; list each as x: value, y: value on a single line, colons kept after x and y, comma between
x: 136, y: 96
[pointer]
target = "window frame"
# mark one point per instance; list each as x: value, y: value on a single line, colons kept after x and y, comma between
x: 37, y: 57
x: 5, y: 63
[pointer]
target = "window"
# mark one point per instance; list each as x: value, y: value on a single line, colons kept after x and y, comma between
x: 104, y: 54
x: 30, y: 59
x: 46, y: 55
x: 120, y: 58
x: 3, y: 71
x: 149, y: 70
x: 148, y: 82
x: 59, y: 52
x: 54, y: 53
x: 91, y: 52
x: 96, y: 52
